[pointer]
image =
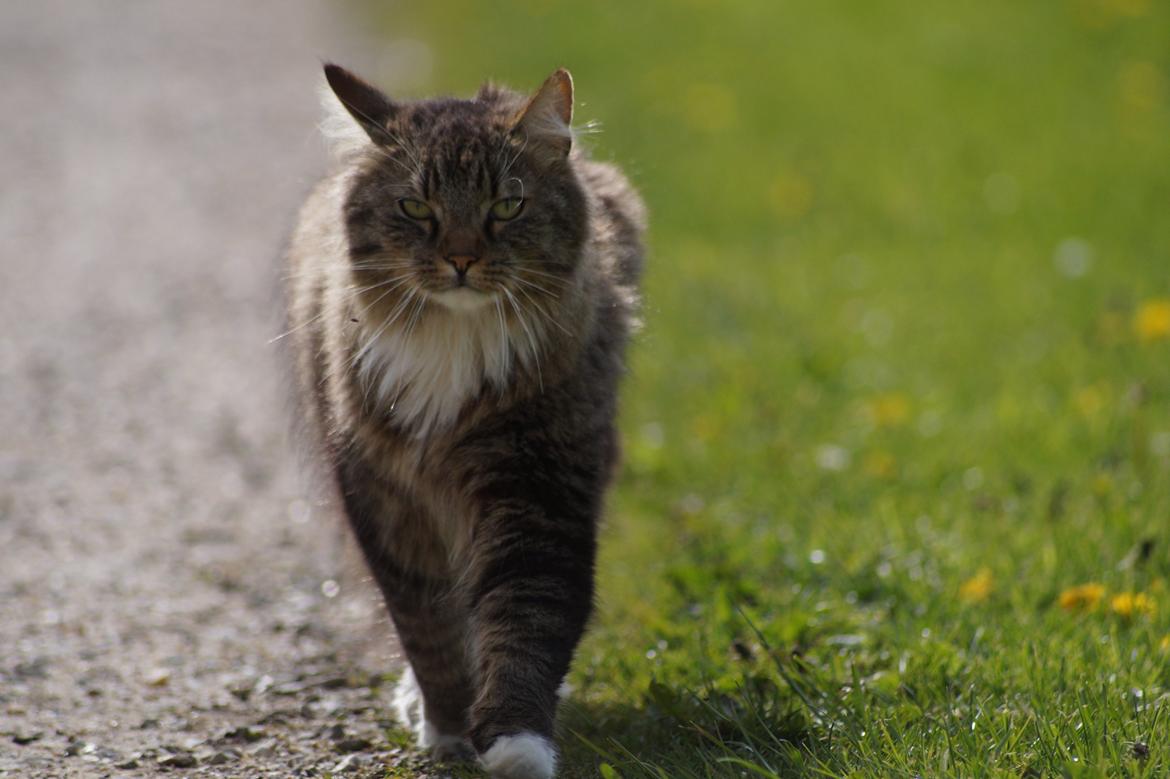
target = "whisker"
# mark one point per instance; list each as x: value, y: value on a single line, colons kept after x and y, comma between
x: 316, y: 272
x: 416, y: 315
x: 510, y: 163
x: 504, y: 352
x: 536, y: 286
x: 547, y: 315
x: 379, y: 264
x: 397, y: 312
x: 543, y: 274
x: 350, y: 295
x: 528, y: 332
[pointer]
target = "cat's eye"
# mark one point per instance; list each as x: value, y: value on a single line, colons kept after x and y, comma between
x: 415, y: 209
x: 508, y: 208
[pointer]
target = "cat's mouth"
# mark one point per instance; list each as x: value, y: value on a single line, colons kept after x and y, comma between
x: 463, y: 298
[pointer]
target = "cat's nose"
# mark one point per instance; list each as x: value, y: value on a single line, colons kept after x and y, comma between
x: 461, y: 262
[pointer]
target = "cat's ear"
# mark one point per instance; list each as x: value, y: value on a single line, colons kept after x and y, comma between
x: 364, y: 103
x: 545, y: 118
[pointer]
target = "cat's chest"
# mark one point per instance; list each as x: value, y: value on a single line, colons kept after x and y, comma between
x: 420, y: 379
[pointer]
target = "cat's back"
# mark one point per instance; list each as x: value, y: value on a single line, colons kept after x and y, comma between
x: 618, y: 219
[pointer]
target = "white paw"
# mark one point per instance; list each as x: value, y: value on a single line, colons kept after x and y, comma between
x: 445, y: 747
x: 411, y: 710
x: 408, y: 703
x: 523, y: 756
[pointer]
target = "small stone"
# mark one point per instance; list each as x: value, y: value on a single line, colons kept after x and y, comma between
x: 157, y: 677
x: 127, y: 764
x: 263, y: 749
x: 219, y: 758
x: 337, y: 732
x: 352, y: 745
x: 243, y: 733
x: 178, y: 760
x: 26, y: 738
x: 347, y: 763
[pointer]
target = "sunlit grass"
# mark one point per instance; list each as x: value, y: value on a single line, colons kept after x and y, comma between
x: 896, y: 498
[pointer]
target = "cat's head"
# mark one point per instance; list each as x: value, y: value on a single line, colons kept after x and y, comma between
x: 460, y: 203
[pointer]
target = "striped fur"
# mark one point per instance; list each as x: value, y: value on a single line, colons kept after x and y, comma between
x: 468, y: 415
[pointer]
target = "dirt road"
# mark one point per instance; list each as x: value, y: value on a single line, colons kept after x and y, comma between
x: 171, y: 599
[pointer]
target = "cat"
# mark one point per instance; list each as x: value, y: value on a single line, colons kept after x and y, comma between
x: 461, y: 289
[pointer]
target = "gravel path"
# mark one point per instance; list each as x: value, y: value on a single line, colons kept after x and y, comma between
x: 171, y: 599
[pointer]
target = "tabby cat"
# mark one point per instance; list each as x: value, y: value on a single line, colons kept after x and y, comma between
x: 461, y: 289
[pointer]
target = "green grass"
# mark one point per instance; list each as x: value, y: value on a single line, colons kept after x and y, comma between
x: 867, y: 375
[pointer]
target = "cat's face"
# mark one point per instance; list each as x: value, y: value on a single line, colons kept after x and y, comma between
x: 466, y: 203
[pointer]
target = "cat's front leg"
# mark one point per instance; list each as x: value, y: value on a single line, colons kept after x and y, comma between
x: 531, y: 595
x: 434, y: 694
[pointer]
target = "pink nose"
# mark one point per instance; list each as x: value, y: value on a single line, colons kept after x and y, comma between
x: 462, y: 262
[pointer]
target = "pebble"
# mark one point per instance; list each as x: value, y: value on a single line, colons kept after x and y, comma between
x: 157, y: 677
x: 347, y: 763
x: 178, y: 760
x: 352, y: 744
x: 243, y: 733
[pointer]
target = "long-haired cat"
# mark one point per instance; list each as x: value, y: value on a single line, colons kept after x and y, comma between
x: 462, y: 286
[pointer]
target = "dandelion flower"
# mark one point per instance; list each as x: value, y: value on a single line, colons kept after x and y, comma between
x: 889, y: 410
x: 1083, y: 597
x: 1151, y: 322
x: 1089, y: 401
x: 880, y: 464
x: 1131, y: 604
x: 978, y: 587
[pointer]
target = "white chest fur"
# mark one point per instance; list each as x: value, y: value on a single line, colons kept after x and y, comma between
x: 423, y: 378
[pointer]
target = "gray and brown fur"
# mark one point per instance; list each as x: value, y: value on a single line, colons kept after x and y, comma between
x: 480, y: 525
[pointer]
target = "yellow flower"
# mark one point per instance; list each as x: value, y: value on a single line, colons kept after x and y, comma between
x: 791, y: 195
x: 880, y: 464
x: 978, y: 587
x: 710, y: 107
x: 1084, y: 597
x: 1089, y: 400
x: 1165, y: 644
x: 1151, y: 321
x: 1131, y: 604
x: 1127, y: 7
x: 889, y: 410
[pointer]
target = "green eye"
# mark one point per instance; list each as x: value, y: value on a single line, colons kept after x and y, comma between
x: 415, y: 209
x: 508, y: 208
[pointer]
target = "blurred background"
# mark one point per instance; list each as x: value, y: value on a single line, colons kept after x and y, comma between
x: 897, y: 429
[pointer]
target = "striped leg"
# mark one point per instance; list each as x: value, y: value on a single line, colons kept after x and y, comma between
x: 531, y: 597
x: 435, y: 693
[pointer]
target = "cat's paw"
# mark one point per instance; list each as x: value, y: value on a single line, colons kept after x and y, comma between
x: 445, y: 748
x: 408, y: 702
x: 412, y: 714
x: 522, y: 756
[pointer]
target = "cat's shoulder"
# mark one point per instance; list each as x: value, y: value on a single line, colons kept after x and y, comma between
x: 612, y: 189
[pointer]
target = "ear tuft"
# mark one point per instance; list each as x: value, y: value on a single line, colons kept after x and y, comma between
x: 546, y: 116
x: 365, y: 103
